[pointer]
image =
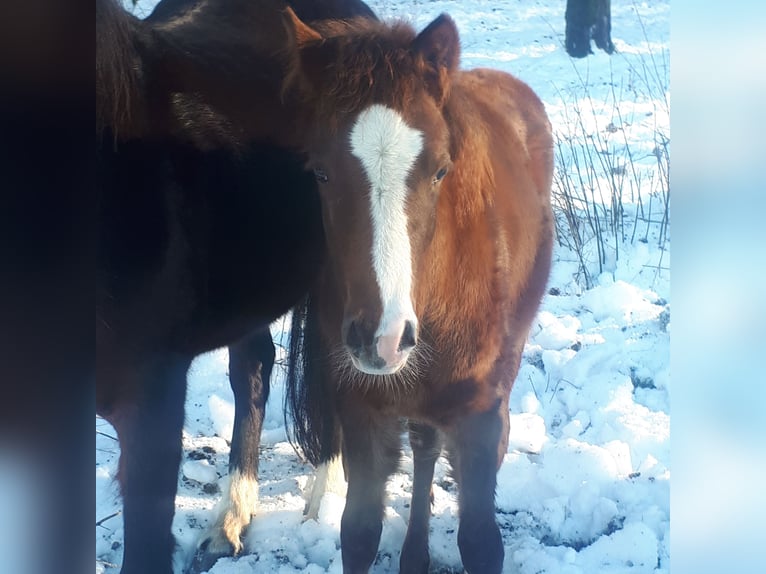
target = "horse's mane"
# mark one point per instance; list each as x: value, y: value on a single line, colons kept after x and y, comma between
x: 118, y: 73
x: 198, y: 70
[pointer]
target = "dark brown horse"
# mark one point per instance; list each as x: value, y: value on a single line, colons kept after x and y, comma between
x: 209, y: 228
x: 435, y: 197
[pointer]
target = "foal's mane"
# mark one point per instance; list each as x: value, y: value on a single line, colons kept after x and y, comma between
x: 359, y: 62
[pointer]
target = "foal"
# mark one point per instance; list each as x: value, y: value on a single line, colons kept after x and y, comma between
x: 435, y: 191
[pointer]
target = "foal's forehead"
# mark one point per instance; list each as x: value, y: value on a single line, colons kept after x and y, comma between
x: 386, y: 145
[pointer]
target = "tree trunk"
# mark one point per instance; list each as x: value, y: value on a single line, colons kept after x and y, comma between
x: 586, y: 19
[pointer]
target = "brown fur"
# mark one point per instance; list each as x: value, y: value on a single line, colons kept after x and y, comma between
x: 491, y: 234
x: 493, y: 215
x: 198, y: 75
x: 355, y: 63
x: 481, y: 244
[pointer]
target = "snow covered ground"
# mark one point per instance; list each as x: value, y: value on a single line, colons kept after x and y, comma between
x: 584, y: 488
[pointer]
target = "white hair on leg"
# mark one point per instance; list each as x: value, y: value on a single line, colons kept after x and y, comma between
x: 329, y: 477
x: 235, y: 510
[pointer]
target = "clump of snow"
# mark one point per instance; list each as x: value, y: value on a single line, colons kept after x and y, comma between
x: 619, y: 300
x: 527, y: 433
x: 553, y: 332
x: 222, y: 416
x: 200, y: 470
x: 632, y: 548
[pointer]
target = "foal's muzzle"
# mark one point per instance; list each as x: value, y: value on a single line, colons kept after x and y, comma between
x: 379, y: 352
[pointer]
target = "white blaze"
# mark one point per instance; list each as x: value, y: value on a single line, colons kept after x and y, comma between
x: 388, y: 148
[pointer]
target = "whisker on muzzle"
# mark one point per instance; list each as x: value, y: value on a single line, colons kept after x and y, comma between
x: 397, y: 384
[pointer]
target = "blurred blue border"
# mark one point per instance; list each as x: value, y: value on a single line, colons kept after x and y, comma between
x: 718, y: 125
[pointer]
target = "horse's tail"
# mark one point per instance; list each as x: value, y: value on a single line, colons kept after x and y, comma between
x: 308, y: 402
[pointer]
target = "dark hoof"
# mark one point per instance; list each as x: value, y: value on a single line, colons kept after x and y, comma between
x: 204, y: 559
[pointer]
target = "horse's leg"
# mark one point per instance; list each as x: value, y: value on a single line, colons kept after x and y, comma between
x: 475, y: 445
x: 149, y: 426
x: 371, y: 450
x: 329, y: 477
x: 250, y: 363
x: 426, y: 447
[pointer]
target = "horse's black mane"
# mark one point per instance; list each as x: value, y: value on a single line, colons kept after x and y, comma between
x: 118, y: 69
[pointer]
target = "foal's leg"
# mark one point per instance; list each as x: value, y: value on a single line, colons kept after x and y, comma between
x: 426, y: 447
x: 250, y: 363
x: 475, y: 443
x: 149, y: 425
x: 371, y: 450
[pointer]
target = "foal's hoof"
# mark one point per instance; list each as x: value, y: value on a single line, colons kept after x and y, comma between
x: 207, y: 555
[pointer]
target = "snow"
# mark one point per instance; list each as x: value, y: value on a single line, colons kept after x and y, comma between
x: 200, y: 470
x: 584, y: 487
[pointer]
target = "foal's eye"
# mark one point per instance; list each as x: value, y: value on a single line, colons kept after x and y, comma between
x: 439, y: 175
x: 320, y: 175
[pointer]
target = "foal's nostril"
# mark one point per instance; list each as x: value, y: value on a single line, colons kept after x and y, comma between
x: 409, y: 337
x: 354, y: 338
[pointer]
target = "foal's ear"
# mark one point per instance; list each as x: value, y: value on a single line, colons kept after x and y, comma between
x: 439, y: 45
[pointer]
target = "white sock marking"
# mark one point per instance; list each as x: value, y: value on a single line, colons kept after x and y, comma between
x: 328, y: 477
x: 238, y: 503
